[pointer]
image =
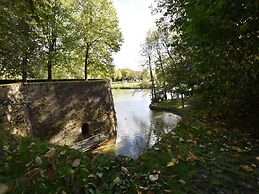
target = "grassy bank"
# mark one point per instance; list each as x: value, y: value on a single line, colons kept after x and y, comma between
x: 174, y: 106
x: 130, y: 85
x: 195, y: 158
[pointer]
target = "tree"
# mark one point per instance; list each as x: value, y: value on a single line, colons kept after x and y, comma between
x: 148, y: 52
x: 217, y: 42
x: 20, y: 43
x: 99, y: 33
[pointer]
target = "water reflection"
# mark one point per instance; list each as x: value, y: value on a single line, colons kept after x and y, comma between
x: 138, y: 127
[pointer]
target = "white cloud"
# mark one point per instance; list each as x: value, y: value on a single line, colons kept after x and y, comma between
x: 135, y: 20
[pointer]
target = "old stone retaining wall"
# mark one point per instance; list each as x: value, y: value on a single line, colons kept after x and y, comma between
x: 58, y: 111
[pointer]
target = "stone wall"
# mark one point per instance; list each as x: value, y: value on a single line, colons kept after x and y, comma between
x: 57, y: 111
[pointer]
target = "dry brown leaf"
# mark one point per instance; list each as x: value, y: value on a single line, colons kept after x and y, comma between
x: 4, y: 188
x: 142, y: 158
x: 50, y: 171
x: 50, y: 153
x: 33, y: 172
x: 191, y: 157
x: 76, y: 163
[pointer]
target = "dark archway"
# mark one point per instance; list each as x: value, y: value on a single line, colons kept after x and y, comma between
x: 85, y: 130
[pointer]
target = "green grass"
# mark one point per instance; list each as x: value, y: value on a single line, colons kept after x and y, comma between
x: 130, y: 85
x: 195, y: 158
x: 174, y: 106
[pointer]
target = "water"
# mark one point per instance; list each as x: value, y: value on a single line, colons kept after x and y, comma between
x: 139, y: 128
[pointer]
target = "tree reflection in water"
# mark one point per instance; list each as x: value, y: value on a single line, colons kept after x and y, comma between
x: 139, y: 128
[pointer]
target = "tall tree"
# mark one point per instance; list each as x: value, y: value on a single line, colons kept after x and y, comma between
x: 218, y: 43
x: 99, y: 34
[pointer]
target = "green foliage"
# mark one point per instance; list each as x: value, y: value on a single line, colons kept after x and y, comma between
x: 213, y: 52
x: 49, y: 38
x: 192, y: 159
x: 129, y: 75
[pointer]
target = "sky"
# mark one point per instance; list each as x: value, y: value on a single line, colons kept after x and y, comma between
x: 135, y: 20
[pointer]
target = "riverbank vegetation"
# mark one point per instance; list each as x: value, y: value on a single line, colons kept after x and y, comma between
x: 207, y: 50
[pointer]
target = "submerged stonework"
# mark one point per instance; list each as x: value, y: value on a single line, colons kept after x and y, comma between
x: 62, y: 112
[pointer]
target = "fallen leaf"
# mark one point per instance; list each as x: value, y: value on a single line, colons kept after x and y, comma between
x: 143, y: 188
x: 50, y: 153
x: 117, y: 180
x: 50, y: 171
x: 182, y: 181
x: 246, y: 168
x: 63, y: 152
x: 191, y: 157
x: 38, y: 160
x: 99, y: 174
x: 9, y: 158
x: 201, y: 146
x: 30, y: 146
x: 76, y: 163
x: 238, y: 149
x: 142, y: 157
x: 172, y: 163
x: 150, y: 192
x: 125, y: 170
x: 33, y: 172
x: 90, y: 176
x: 4, y: 188
x: 153, y: 177
x: 257, y: 158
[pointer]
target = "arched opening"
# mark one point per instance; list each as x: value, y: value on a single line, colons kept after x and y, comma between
x: 85, y: 131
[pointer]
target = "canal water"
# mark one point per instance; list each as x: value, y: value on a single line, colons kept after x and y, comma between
x: 138, y: 127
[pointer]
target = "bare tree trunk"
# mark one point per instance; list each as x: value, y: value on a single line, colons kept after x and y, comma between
x: 163, y: 72
x: 24, y: 69
x: 52, y: 44
x: 182, y: 98
x: 49, y: 65
x: 86, y: 60
x: 153, y: 89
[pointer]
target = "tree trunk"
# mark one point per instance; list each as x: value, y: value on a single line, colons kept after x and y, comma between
x: 153, y: 89
x: 52, y: 46
x: 24, y: 69
x: 163, y: 72
x: 86, y: 61
x: 182, y: 98
x: 49, y: 65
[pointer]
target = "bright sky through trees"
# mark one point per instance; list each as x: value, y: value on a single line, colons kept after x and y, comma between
x: 135, y: 20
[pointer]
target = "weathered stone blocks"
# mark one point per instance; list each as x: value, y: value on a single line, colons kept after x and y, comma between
x: 57, y: 111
